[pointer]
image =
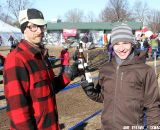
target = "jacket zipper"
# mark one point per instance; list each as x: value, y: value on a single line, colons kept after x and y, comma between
x: 122, y: 80
x: 117, y: 71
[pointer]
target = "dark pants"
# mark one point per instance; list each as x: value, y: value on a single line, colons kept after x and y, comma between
x: 64, y: 68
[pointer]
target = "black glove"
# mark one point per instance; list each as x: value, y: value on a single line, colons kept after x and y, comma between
x: 74, y: 70
x: 93, y: 92
x: 85, y: 85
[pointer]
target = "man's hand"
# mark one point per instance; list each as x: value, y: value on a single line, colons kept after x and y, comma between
x: 85, y: 85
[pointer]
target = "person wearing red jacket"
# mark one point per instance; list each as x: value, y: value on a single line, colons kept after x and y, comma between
x: 65, y: 57
x: 29, y: 83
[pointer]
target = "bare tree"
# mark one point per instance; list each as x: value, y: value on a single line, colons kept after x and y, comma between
x: 6, y: 18
x: 3, y: 15
x: 15, y: 6
x: 90, y: 17
x: 116, y: 10
x: 1, y: 11
x: 0, y: 7
x: 153, y: 20
x: 140, y: 11
x: 74, y: 15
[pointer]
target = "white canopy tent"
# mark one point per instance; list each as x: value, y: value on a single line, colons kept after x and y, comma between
x: 6, y: 30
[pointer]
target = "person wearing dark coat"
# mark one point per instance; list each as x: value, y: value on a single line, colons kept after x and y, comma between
x: 126, y: 87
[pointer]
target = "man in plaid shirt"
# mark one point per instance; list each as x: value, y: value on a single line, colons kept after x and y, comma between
x: 29, y: 82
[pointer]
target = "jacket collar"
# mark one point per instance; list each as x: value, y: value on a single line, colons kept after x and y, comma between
x: 29, y: 48
x: 128, y: 61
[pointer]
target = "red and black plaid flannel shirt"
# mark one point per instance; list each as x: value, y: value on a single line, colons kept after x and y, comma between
x: 30, y: 88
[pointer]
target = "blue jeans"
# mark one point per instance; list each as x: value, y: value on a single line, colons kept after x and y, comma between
x: 65, y: 68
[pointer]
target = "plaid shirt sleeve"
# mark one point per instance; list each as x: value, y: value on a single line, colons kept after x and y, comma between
x: 16, y: 87
x: 61, y: 82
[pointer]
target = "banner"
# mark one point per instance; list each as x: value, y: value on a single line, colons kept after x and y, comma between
x: 69, y: 32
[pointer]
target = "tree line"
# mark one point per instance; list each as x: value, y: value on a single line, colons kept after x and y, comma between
x: 113, y: 11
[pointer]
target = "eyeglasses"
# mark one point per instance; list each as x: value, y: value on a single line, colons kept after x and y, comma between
x: 34, y: 27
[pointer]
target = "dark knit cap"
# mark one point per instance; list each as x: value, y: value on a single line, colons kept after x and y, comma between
x: 121, y: 33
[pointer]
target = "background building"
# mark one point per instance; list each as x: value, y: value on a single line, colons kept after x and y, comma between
x: 97, y: 32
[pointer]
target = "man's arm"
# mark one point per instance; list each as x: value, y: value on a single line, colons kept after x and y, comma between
x: 151, y: 99
x: 61, y: 82
x: 16, y: 88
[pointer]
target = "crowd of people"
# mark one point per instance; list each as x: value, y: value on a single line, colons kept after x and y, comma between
x: 150, y: 46
x: 127, y: 87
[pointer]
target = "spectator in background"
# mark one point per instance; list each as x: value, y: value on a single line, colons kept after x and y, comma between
x: 144, y: 49
x: 126, y: 86
x: 90, y: 37
x: 11, y: 39
x: 2, y: 60
x: 158, y: 40
x: 85, y: 40
x: 65, y: 57
x: 105, y: 39
x: 30, y: 85
x: 13, y: 46
x: 154, y: 44
x: 75, y: 55
x: 109, y: 50
x: 150, y: 53
x: 1, y: 41
x: 74, y: 66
